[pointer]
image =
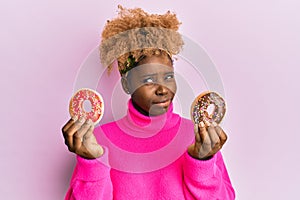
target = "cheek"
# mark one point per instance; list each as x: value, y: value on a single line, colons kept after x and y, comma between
x: 142, y: 94
x: 139, y: 88
x: 175, y: 88
x: 172, y: 87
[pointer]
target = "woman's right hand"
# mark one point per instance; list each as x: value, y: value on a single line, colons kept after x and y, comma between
x: 80, y: 139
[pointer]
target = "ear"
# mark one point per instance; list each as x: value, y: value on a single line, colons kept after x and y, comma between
x: 125, y: 85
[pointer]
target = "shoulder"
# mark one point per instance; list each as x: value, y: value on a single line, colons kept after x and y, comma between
x: 104, y: 132
x: 107, y: 126
x: 186, y: 126
x: 186, y: 122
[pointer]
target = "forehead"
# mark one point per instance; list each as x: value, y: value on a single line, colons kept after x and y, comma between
x: 151, y: 69
x: 153, y: 65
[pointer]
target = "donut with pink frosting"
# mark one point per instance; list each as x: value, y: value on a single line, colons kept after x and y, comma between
x: 77, y: 108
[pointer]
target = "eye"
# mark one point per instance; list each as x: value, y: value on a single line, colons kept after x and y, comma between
x: 148, y: 80
x: 169, y: 77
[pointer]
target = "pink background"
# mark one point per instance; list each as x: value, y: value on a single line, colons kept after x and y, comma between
x: 255, y: 46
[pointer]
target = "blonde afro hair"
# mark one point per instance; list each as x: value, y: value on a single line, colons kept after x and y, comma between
x: 137, y: 34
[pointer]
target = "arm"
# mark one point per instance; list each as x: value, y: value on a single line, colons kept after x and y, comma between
x: 91, y: 177
x: 207, y: 179
x: 90, y: 180
x: 205, y: 174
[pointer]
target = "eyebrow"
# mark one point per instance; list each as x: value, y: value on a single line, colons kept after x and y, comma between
x: 156, y: 74
x: 148, y: 75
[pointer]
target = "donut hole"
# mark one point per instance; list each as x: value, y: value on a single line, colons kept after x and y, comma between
x: 87, y: 106
x: 210, y: 109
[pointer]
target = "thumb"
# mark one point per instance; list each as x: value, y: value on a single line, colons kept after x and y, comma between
x: 99, y: 150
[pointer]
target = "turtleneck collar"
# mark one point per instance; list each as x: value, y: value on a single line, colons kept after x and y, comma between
x: 145, y: 126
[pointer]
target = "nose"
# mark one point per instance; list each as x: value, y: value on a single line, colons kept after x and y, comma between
x: 161, y: 90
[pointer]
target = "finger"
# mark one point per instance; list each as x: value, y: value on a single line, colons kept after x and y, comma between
x: 91, y: 145
x: 78, y: 136
x: 222, y: 135
x: 201, y: 130
x: 207, y: 123
x: 69, y: 124
x: 71, y: 131
x: 214, y: 137
x: 206, y: 143
x: 196, y: 131
x: 89, y: 133
x: 196, y: 128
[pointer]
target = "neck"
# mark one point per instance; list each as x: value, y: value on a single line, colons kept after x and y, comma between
x: 140, y: 110
x: 147, y: 126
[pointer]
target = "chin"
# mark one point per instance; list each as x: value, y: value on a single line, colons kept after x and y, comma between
x: 158, y: 110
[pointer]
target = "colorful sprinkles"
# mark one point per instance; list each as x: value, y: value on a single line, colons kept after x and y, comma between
x: 199, y: 109
x: 76, y: 107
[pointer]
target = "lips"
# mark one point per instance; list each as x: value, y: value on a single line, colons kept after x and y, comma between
x: 163, y: 103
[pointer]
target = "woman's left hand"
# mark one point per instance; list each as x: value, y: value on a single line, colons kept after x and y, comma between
x: 209, y: 139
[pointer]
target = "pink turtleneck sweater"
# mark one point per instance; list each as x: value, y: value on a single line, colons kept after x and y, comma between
x: 146, y: 158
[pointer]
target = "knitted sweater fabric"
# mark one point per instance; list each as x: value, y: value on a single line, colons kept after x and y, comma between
x: 146, y: 158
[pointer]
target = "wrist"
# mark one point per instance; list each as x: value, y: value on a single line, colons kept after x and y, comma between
x: 194, y: 154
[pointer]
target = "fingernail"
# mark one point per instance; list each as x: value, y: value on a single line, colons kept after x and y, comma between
x: 202, y: 124
x: 74, y: 118
x: 81, y: 119
x: 207, y: 123
x: 89, y: 122
x: 214, y: 124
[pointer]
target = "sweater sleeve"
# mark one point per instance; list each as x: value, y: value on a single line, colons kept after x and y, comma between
x: 207, y: 179
x: 90, y: 180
